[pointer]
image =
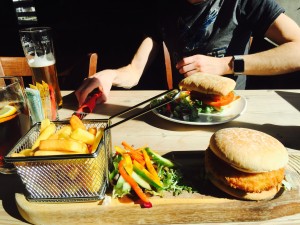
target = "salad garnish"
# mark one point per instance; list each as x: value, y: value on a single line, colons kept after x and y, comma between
x: 185, y: 107
x: 142, y: 173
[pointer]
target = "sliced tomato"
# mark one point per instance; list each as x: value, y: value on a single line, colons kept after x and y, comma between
x: 218, y: 100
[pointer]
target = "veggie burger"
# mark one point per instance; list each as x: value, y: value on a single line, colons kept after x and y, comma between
x: 246, y: 163
x: 212, y: 90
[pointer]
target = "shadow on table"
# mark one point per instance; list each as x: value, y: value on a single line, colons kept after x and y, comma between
x: 290, y: 97
x: 11, y: 184
x: 105, y: 109
x: 70, y: 101
x: 191, y: 165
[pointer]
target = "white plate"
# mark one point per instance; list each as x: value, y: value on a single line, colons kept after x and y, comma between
x: 231, y: 113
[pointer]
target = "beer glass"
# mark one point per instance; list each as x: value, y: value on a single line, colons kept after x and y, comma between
x: 38, y: 48
x: 14, y: 117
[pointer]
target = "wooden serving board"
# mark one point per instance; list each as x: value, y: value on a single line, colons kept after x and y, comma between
x: 207, y: 205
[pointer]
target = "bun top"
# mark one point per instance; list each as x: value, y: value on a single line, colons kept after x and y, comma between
x: 249, y: 150
x: 208, y: 84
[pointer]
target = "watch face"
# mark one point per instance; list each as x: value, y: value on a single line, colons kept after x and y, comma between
x: 238, y: 65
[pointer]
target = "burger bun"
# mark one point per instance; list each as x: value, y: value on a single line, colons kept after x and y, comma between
x: 208, y: 84
x: 245, y: 163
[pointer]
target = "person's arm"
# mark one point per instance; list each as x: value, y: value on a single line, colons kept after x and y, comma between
x: 278, y: 60
x: 282, y: 59
x: 127, y: 76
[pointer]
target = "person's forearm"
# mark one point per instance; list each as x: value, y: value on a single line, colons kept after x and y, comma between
x: 278, y: 60
x: 129, y: 76
x: 126, y: 77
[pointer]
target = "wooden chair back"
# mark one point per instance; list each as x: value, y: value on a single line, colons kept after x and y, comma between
x: 14, y: 66
x: 93, y: 60
x: 18, y: 66
x: 168, y: 66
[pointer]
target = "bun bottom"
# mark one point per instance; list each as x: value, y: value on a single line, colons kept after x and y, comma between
x: 264, y: 195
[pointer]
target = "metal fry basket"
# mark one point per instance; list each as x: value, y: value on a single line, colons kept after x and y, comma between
x: 64, y: 178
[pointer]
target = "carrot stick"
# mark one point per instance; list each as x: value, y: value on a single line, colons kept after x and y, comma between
x: 127, y: 146
x: 139, y: 151
x: 149, y: 165
x: 138, y: 159
x: 132, y: 182
x: 133, y: 153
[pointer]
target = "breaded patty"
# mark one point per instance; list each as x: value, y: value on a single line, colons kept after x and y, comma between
x: 249, y: 182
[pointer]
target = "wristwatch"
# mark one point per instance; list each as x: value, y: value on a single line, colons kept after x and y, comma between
x: 238, y: 65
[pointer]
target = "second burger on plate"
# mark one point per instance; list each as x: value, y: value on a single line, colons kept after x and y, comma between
x: 208, y: 90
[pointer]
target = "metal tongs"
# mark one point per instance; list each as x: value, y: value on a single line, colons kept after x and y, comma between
x: 173, y: 94
x: 90, y: 104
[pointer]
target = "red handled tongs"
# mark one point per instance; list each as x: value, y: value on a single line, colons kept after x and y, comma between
x: 88, y: 106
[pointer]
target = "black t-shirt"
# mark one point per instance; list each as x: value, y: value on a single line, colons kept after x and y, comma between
x: 213, y: 27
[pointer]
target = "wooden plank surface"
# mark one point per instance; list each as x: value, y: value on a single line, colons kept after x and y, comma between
x: 207, y: 205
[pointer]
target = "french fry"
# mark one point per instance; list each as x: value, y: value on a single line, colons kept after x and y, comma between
x: 97, y: 140
x: 67, y: 145
x: 23, y: 153
x: 44, y: 123
x: 63, y: 133
x: 47, y: 132
x: 63, y: 136
x: 48, y: 153
x: 76, y: 123
x: 74, y: 138
x: 17, y: 154
x: 65, y: 130
x: 93, y: 130
x: 53, y: 136
x: 83, y: 135
x: 27, y: 152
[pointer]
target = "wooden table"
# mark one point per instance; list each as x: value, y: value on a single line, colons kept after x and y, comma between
x: 275, y: 112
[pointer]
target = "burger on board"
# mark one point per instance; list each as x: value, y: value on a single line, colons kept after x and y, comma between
x: 246, y: 163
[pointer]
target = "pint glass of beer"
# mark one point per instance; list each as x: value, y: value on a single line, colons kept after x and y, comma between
x: 14, y: 117
x: 38, y: 48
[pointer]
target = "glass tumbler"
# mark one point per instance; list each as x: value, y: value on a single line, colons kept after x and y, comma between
x: 14, y: 117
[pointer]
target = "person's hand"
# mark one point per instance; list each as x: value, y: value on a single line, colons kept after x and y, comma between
x: 102, y: 80
x: 202, y: 63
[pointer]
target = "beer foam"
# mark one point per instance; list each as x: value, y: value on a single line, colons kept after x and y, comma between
x: 41, y: 61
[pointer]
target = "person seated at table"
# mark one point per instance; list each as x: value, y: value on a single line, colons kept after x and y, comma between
x: 210, y: 36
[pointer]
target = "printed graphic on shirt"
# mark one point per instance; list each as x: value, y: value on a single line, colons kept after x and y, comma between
x: 195, y: 31
x: 194, y: 36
